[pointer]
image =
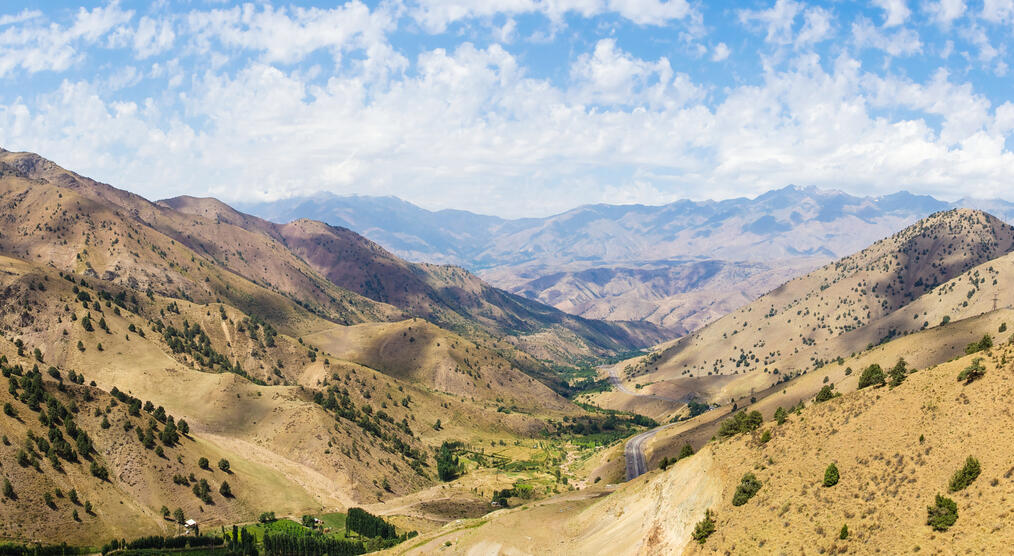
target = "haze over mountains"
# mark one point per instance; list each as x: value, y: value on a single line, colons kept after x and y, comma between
x: 679, y: 265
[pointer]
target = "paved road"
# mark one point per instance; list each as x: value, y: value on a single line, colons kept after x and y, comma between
x: 637, y: 464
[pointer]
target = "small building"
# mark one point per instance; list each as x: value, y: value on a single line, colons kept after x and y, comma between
x: 190, y: 524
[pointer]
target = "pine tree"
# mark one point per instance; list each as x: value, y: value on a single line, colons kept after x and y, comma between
x: 831, y: 475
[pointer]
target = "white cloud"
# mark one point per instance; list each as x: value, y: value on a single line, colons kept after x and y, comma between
x: 436, y: 15
x: 997, y: 10
x: 816, y: 26
x: 946, y: 11
x: 901, y: 42
x: 152, y: 37
x: 777, y: 20
x: 34, y: 46
x: 720, y: 52
x: 23, y: 15
x: 896, y: 11
x: 288, y: 35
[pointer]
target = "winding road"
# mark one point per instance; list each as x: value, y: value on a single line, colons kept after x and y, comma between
x: 633, y: 451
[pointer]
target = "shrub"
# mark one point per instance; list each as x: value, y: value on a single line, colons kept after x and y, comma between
x: 831, y: 475
x: 223, y: 464
x: 225, y: 490
x: 942, y: 514
x: 203, y: 463
x: 973, y: 372
x: 748, y: 487
x: 704, y: 527
x: 984, y: 343
x: 872, y: 376
x: 685, y: 452
x: 765, y: 437
x: 740, y: 423
x: 9, y: 490
x: 780, y: 415
x: 844, y: 533
x: 898, y: 372
x: 826, y: 393
x: 964, y: 476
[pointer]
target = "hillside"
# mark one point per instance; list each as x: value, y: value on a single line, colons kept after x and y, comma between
x: 947, y: 266
x: 319, y: 397
x: 445, y: 295
x: 895, y: 449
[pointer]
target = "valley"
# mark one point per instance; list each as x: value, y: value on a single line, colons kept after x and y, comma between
x: 181, y: 360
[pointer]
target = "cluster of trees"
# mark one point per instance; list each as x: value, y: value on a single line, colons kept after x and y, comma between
x: 739, y: 423
x: 449, y: 467
x: 305, y: 542
x: 983, y: 344
x: 973, y: 372
x: 368, y: 525
x: 14, y: 549
x: 748, y: 487
x: 686, y: 451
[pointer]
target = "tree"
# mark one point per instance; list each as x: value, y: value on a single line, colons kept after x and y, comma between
x: 203, y: 463
x: 704, y: 527
x: 942, y: 514
x: 844, y: 533
x: 966, y: 475
x: 765, y: 437
x: 780, y: 415
x: 898, y: 372
x: 223, y: 464
x: 308, y: 521
x: 831, y: 475
x: 9, y: 410
x: 448, y: 466
x: 9, y: 490
x: 973, y: 372
x: 825, y: 394
x: 165, y: 512
x: 38, y: 355
x: 739, y: 423
x: 984, y: 343
x: 183, y: 427
x: 437, y: 426
x: 178, y: 515
x: 88, y: 507
x: 225, y: 490
x: 685, y: 452
x: 748, y: 487
x: 872, y: 376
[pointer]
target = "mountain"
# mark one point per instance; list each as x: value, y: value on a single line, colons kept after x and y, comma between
x: 679, y: 265
x: 122, y: 319
x: 947, y: 267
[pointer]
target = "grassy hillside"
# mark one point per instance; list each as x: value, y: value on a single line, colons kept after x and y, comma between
x: 945, y: 268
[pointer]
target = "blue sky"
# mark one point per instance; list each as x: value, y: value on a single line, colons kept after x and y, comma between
x: 516, y: 107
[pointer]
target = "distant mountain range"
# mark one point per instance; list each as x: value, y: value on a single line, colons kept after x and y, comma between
x: 679, y: 265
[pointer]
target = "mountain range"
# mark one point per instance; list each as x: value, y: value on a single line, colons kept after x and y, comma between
x: 679, y: 265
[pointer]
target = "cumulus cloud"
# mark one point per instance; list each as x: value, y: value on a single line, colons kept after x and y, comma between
x: 28, y: 43
x: 896, y: 12
x: 265, y: 101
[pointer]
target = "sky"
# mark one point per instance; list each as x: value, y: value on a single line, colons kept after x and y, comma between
x: 514, y: 107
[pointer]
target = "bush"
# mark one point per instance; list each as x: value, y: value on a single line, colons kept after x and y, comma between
x: 765, y: 437
x: 831, y: 475
x: 203, y: 463
x: 844, y: 533
x: 825, y: 394
x: 973, y: 372
x: 9, y: 490
x: 225, y: 490
x: 898, y: 372
x: 748, y: 487
x: 740, y: 423
x: 704, y: 527
x: 780, y: 415
x: 984, y: 343
x: 685, y: 452
x: 942, y: 514
x: 872, y: 376
x: 223, y: 464
x: 964, y: 476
